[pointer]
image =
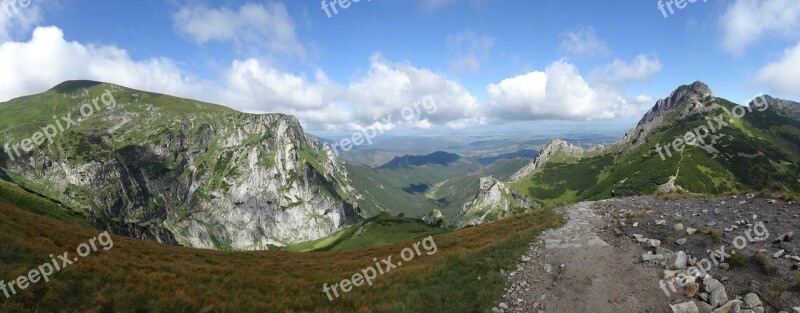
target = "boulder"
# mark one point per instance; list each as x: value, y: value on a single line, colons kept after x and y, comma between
x: 686, y: 307
x: 778, y: 254
x: 730, y: 307
x: 677, y: 261
x: 752, y: 302
x: 653, y: 243
x: 691, y: 290
x: 718, y: 298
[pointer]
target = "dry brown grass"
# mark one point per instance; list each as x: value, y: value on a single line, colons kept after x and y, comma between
x: 137, y: 276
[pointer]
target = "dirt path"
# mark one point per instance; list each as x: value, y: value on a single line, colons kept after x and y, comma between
x: 583, y: 267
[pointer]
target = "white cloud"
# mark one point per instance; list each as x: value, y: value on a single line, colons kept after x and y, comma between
x: 470, y: 49
x: 250, y: 85
x: 746, y: 21
x: 18, y: 18
x: 782, y: 75
x: 47, y: 59
x: 583, y: 42
x: 253, y: 25
x: 558, y: 93
x: 389, y: 88
x: 619, y: 74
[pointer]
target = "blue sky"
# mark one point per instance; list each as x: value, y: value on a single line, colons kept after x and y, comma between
x: 482, y: 62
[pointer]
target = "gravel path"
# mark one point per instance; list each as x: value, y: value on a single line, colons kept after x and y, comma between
x: 583, y: 267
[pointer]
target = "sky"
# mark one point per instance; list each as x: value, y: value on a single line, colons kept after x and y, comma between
x: 429, y: 65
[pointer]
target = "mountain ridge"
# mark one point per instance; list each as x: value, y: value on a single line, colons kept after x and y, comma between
x: 199, y: 174
x: 754, y: 149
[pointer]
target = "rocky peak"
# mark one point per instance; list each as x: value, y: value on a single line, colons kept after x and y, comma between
x: 694, y: 92
x: 495, y: 200
x: 685, y: 98
x: 553, y: 148
x: 786, y: 107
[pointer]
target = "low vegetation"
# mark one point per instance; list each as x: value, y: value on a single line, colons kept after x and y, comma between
x: 137, y: 276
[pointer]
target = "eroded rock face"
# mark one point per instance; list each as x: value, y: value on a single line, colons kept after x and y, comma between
x: 688, y: 99
x: 554, y: 149
x: 220, y: 180
x: 494, y: 201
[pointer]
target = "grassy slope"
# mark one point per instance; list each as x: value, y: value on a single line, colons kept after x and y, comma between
x: 375, y: 231
x: 137, y: 276
x: 391, y: 190
x: 13, y: 194
x: 770, y: 140
x: 21, y: 117
x: 164, y: 116
x: 449, y: 187
x: 453, y: 193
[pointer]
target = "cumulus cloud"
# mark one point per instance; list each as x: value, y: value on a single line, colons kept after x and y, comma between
x: 583, y: 42
x: 619, y: 74
x: 746, y: 21
x: 18, y: 18
x: 253, y: 25
x: 250, y: 85
x: 389, y: 87
x: 558, y: 93
x: 781, y: 75
x: 47, y: 59
x: 470, y: 50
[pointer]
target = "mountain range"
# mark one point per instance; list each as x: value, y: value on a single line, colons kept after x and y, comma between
x: 692, y: 141
x: 184, y: 172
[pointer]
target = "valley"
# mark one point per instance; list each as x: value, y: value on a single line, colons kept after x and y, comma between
x: 512, y: 217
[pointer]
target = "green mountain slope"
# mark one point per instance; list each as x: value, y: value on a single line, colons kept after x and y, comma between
x: 378, y: 230
x: 414, y: 190
x: 174, y: 170
x: 755, y: 148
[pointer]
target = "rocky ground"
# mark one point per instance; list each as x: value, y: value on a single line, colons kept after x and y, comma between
x: 643, y: 254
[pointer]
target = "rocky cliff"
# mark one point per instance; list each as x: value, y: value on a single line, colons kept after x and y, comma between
x: 684, y: 101
x: 554, y: 149
x: 180, y: 171
x: 494, y: 201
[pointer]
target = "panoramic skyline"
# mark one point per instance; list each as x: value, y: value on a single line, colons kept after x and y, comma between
x: 578, y: 61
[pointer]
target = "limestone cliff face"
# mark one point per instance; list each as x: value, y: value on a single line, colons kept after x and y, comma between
x: 207, y: 177
x: 554, y: 149
x: 684, y: 101
x: 493, y: 202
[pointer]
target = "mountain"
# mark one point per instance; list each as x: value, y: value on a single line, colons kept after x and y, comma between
x: 524, y: 153
x: 557, y: 150
x: 126, y: 278
x: 493, y: 202
x: 690, y: 141
x: 174, y: 170
x: 437, y: 158
x: 414, y: 190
